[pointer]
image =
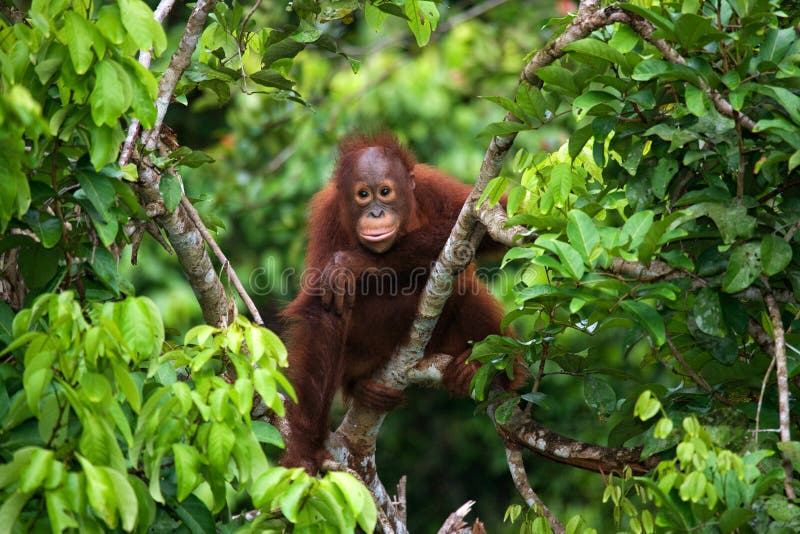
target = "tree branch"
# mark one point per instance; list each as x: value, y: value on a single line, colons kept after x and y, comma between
x: 209, y: 239
x: 779, y: 347
x: 517, y: 469
x: 178, y: 64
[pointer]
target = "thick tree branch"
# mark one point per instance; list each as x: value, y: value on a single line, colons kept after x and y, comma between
x: 525, y: 432
x: 187, y: 242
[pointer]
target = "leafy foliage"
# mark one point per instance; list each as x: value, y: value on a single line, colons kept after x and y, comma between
x: 104, y: 431
x: 667, y: 218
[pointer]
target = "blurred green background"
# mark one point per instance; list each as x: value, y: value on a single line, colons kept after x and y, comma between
x: 272, y: 156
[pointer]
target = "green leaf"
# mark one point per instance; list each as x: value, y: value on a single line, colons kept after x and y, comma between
x: 139, y: 321
x: 648, y: 317
x: 599, y: 49
x: 599, y: 395
x: 47, y: 229
x: 582, y: 234
x: 105, y: 144
x: 570, y: 260
x: 733, y: 221
x: 374, y: 16
x: 171, y: 190
x: 636, y: 227
x: 100, y: 492
x: 665, y: 72
x: 10, y: 510
x: 271, y: 78
x: 220, y: 445
x: 662, y: 175
x: 290, y: 500
x: 422, y: 19
x: 77, y: 34
x: 733, y: 518
x: 142, y: 26
x: 647, y: 405
x: 127, y: 504
x: 99, y: 190
x: 188, y: 466
x: 36, y: 470
x: 502, y: 128
x: 744, y: 267
x: 776, y: 254
x: 144, y: 90
x: 587, y: 101
x: 107, y: 100
x: 696, y: 101
x: 266, y: 433
x: 707, y: 313
x: 531, y: 102
x: 561, y: 177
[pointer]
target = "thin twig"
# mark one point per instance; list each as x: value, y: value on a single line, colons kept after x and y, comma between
x: 782, y: 372
x: 699, y: 380
x: 209, y: 239
x: 764, y: 383
x: 520, y: 477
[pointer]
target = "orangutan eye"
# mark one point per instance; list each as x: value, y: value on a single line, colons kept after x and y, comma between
x: 363, y: 193
x: 385, y: 191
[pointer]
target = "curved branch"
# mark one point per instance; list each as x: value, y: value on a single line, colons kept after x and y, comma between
x: 517, y: 469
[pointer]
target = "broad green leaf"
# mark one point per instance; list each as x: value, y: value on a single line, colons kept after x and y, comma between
x: 144, y: 90
x: 423, y: 17
x: 707, y: 313
x: 266, y: 433
x: 126, y: 502
x: 599, y: 49
x: 59, y: 511
x: 696, y: 101
x: 220, y: 445
x: 530, y: 100
x: 561, y: 177
x: 374, y: 16
x: 291, y: 499
x: 582, y: 234
x: 142, y: 26
x: 776, y: 254
x: 171, y: 190
x: 502, y: 128
x: 188, y: 467
x: 139, y: 321
x: 105, y: 144
x: 77, y: 34
x: 47, y: 229
x: 662, y: 175
x: 570, y: 260
x: 637, y: 226
x: 648, y: 317
x: 36, y: 470
x: 599, y: 395
x: 107, y: 100
x: 733, y: 221
x: 10, y: 510
x: 99, y: 191
x: 647, y: 405
x: 109, y: 22
x: 744, y: 267
x: 100, y: 492
x: 587, y: 101
x: 665, y: 71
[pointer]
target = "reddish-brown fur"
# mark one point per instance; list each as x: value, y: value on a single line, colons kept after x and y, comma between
x: 328, y: 350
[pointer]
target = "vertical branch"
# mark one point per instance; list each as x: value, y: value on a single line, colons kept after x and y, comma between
x: 178, y: 64
x: 783, y: 382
